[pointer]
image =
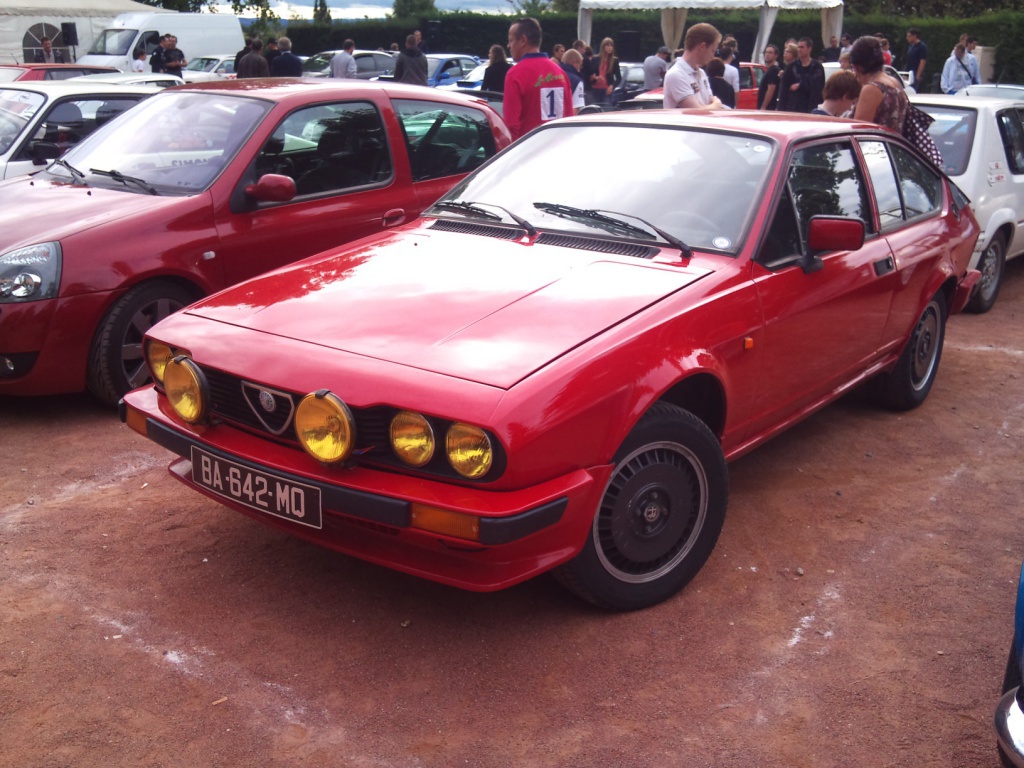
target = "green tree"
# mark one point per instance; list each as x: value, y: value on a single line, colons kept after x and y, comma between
x: 413, y: 9
x: 565, y: 6
x: 321, y: 13
x: 529, y: 7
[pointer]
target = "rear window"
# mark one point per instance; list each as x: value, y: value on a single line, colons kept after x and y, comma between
x: 953, y: 133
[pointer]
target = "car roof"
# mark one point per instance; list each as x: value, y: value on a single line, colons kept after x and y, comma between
x: 33, y: 65
x: 286, y: 89
x: 784, y: 127
x: 451, y: 56
x: 56, y: 89
x: 966, y: 102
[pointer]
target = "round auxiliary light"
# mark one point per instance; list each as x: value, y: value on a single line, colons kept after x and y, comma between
x: 469, y: 450
x: 186, y: 389
x: 412, y: 439
x: 325, y: 427
x: 158, y: 355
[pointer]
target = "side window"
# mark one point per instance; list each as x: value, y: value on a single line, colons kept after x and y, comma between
x: 883, y: 179
x: 444, y: 139
x: 328, y: 148
x: 1013, y: 139
x: 920, y: 186
x: 746, y: 77
x: 365, y: 65
x: 149, y: 41
x: 825, y: 180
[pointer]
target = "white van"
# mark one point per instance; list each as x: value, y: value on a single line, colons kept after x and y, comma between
x: 198, y: 34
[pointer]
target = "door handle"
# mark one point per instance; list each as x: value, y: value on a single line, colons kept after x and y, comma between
x: 885, y: 266
x: 393, y: 218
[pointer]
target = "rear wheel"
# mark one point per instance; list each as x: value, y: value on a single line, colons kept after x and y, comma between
x: 991, y: 266
x: 116, y: 361
x: 909, y: 383
x: 660, y: 515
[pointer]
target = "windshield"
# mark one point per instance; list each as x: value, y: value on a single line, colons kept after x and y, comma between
x: 318, y: 63
x: 700, y: 186
x: 113, y: 42
x: 176, y: 142
x: 202, y: 64
x: 16, y: 110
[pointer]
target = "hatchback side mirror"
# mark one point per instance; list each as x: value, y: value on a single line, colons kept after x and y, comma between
x: 272, y: 188
x: 831, y: 233
x: 44, y: 151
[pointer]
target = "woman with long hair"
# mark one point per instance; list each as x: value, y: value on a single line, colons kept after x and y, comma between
x: 882, y: 98
x: 604, y: 73
x: 497, y: 68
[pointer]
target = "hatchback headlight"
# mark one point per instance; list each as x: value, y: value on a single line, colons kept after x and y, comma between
x: 30, y: 274
x: 325, y: 427
x: 412, y: 438
x: 469, y: 450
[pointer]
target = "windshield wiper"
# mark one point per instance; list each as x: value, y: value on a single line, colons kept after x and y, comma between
x: 473, y: 208
x: 613, y: 224
x: 118, y: 176
x: 75, y: 173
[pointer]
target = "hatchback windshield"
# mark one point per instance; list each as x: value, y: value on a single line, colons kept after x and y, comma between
x: 171, y: 144
x: 700, y: 186
x: 16, y: 110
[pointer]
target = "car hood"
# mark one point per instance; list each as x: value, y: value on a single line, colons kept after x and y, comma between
x: 33, y: 209
x: 476, y: 308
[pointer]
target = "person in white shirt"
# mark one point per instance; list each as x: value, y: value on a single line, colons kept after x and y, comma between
x: 686, y: 84
x: 956, y: 75
x: 344, y: 64
x: 139, y: 62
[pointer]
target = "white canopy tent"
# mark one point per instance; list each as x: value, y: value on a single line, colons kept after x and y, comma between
x: 22, y: 21
x: 673, y: 16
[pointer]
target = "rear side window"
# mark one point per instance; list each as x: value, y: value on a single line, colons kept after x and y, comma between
x: 905, y: 187
x: 444, y: 139
x: 953, y: 133
x: 1013, y: 139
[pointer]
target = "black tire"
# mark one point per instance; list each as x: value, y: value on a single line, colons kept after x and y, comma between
x: 660, y: 515
x: 992, y: 266
x: 116, y: 362
x: 909, y: 383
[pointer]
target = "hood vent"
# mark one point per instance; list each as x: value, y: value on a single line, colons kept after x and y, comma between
x: 484, y: 230
x: 601, y: 246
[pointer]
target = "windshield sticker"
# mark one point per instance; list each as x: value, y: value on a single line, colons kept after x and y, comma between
x: 722, y: 243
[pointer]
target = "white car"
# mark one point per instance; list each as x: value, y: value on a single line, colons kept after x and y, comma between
x: 981, y: 139
x: 41, y: 119
x: 831, y: 67
x: 203, y: 69
x: 156, y: 79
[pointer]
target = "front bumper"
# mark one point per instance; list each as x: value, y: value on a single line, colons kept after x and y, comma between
x: 1009, y: 725
x: 366, y: 511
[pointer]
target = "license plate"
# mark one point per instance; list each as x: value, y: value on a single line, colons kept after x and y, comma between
x: 262, y: 491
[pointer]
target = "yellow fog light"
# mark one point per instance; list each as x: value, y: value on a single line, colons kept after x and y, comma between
x: 186, y: 389
x: 158, y: 355
x: 325, y: 427
x: 412, y: 439
x: 469, y: 450
x: 455, y: 524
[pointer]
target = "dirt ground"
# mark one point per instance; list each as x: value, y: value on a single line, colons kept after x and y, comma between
x: 856, y: 612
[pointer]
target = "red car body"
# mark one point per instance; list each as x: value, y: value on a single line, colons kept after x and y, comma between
x: 564, y: 348
x: 10, y: 73
x: 289, y: 190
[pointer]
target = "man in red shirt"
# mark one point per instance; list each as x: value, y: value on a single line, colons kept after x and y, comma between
x: 536, y: 88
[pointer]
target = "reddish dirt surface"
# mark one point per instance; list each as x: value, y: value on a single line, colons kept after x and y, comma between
x: 856, y: 612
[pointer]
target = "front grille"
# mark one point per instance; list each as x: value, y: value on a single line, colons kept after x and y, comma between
x: 601, y: 246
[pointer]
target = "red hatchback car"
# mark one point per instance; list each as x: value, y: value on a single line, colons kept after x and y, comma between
x: 543, y: 375
x: 201, y: 187
x: 10, y: 73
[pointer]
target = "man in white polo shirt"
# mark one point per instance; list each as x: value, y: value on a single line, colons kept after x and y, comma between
x: 686, y: 85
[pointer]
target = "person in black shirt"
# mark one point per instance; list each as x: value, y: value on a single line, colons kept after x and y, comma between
x: 720, y: 87
x: 494, y: 75
x: 768, y: 89
x: 803, y: 81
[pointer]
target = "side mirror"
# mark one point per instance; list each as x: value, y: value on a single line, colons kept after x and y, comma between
x: 832, y: 233
x: 272, y: 188
x: 835, y: 233
x: 44, y: 151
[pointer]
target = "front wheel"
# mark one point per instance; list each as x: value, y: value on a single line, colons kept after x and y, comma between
x: 116, y: 361
x: 909, y: 383
x: 660, y: 515
x: 991, y: 266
